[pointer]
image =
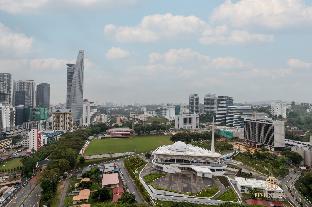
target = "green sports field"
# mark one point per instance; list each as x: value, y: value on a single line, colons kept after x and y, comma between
x: 132, y: 144
x: 11, y: 164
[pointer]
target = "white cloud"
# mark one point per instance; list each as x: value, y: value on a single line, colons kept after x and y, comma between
x: 165, y: 26
x: 223, y: 35
x: 187, y: 57
x: 157, y: 26
x: 48, y: 64
x: 23, y: 6
x: 268, y: 13
x: 11, y: 41
x: 297, y: 63
x: 18, y: 6
x: 116, y: 53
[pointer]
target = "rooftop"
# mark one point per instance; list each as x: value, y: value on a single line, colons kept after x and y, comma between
x: 110, y: 179
x: 180, y: 148
x: 260, y: 184
x: 83, y: 195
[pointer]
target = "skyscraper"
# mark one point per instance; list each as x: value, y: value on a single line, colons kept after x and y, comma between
x: 223, y: 104
x: 5, y: 88
x: 24, y: 93
x: 43, y: 95
x: 194, y: 104
x: 210, y: 103
x: 75, y: 87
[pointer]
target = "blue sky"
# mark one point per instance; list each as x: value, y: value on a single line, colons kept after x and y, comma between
x: 153, y: 51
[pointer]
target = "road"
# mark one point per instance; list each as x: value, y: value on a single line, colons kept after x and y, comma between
x: 288, y: 185
x: 64, y: 191
x: 129, y: 183
x: 30, y: 194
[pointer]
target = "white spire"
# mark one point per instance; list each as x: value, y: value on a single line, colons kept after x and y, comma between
x: 212, y: 137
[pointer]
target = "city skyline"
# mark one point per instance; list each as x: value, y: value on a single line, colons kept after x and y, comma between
x: 159, y: 52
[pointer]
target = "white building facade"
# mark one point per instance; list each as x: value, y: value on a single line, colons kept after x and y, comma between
x: 35, y: 141
x: 265, y: 188
x: 86, y: 113
x: 187, y: 121
x: 7, y: 117
x: 279, y: 108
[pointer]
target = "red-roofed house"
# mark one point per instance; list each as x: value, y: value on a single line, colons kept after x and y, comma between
x: 254, y: 202
x: 117, y: 193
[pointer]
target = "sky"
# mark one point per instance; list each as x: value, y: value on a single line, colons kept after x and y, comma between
x: 155, y: 51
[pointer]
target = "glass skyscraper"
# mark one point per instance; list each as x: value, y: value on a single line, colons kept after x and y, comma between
x: 75, y: 87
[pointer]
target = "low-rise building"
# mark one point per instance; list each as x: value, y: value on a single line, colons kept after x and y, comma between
x: 120, y: 132
x: 83, y: 196
x: 263, y: 188
x: 110, y: 180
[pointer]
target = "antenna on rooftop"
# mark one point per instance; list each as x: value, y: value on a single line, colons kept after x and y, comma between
x: 212, y: 136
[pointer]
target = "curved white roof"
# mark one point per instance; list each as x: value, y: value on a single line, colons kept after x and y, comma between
x: 180, y: 148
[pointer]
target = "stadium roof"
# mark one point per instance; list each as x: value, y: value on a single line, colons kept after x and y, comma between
x: 182, y: 149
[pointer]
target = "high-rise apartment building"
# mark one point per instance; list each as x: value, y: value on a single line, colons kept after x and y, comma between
x: 35, y: 141
x: 5, y: 88
x: 210, y: 103
x: 24, y: 93
x: 279, y: 108
x: 194, y: 104
x: 43, y: 95
x: 7, y: 117
x: 62, y: 120
x: 75, y: 87
x: 237, y: 114
x: 86, y: 113
x: 223, y: 102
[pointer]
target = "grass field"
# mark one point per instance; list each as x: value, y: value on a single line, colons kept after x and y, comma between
x: 10, y: 164
x: 132, y: 144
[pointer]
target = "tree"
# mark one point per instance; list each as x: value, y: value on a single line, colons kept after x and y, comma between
x: 127, y: 198
x: 81, y: 160
x: 293, y: 157
x: 103, y: 194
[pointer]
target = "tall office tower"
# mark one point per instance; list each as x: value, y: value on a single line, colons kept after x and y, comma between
x: 75, y: 87
x: 210, y: 103
x: 5, y: 88
x: 24, y: 93
x: 194, y: 103
x: 70, y: 73
x: 223, y: 103
x: 43, y: 95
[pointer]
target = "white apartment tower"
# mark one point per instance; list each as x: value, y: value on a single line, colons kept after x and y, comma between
x: 5, y: 88
x: 279, y: 108
x: 86, y: 113
x: 194, y: 103
x: 7, y: 117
